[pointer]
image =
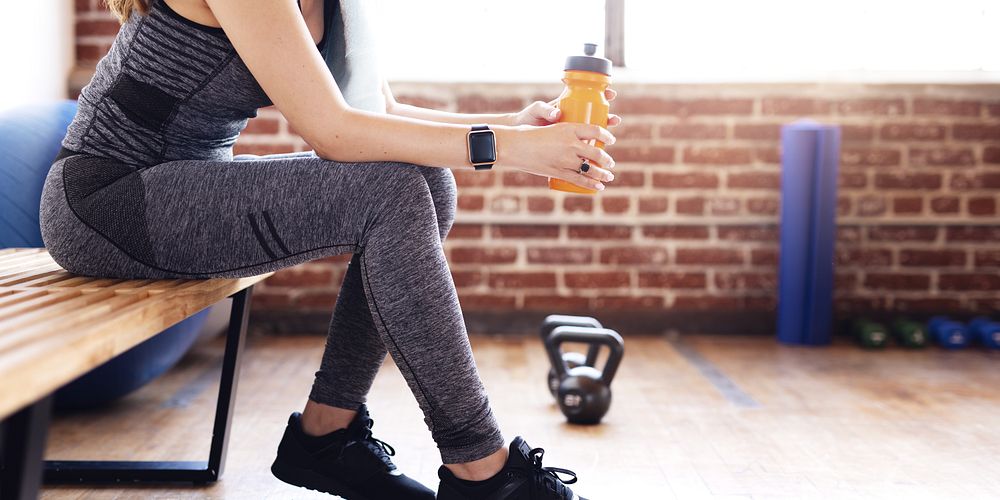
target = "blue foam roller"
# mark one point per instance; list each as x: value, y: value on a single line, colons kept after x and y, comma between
x: 947, y: 333
x: 810, y: 155
x: 985, y: 331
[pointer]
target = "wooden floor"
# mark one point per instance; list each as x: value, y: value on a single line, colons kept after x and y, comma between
x: 693, y: 417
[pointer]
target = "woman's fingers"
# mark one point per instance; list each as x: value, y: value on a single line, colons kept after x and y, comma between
x: 580, y: 180
x: 614, y: 120
x: 596, y: 157
x: 594, y: 133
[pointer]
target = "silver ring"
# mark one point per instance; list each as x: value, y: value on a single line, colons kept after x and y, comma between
x: 584, y: 167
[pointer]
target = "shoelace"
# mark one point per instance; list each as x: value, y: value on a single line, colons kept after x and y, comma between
x: 380, y: 448
x: 547, y: 478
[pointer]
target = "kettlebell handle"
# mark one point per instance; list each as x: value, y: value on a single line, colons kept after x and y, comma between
x: 554, y: 321
x: 594, y: 337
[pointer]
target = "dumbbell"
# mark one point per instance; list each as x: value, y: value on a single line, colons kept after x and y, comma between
x: 584, y: 392
x: 870, y: 334
x: 909, y: 333
x: 948, y: 333
x: 573, y: 359
x: 986, y: 331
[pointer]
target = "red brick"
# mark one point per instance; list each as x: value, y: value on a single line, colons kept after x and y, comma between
x: 262, y: 126
x: 90, y: 53
x: 560, y: 255
x: 615, y: 204
x: 981, y: 206
x: 693, y: 180
x: 505, y: 204
x: 790, y: 106
x: 976, y: 132
x: 469, y: 178
x: 987, y: 258
x: 945, y: 204
x: 83, y: 5
x: 471, y: 202
x: 483, y: 104
x: 522, y: 179
x: 850, y: 157
x: 675, y: 232
x: 912, y: 132
x: 691, y: 205
x: 481, y: 302
x: 481, y: 255
x: 871, y: 205
x: 652, y: 204
x: 300, y: 276
x: 746, y: 281
x: 708, y: 303
x: 985, y: 180
x: 926, y: 305
x: 628, y: 178
x: 969, y: 282
x: 465, y: 279
x: 907, y: 205
x: 902, y: 233
x: 857, y: 133
x: 993, y: 109
x: 634, y: 255
x: 863, y: 257
x: 991, y: 155
x: 942, y: 157
x: 945, y: 107
x: 596, y: 232
x: 633, y: 131
x: 271, y: 300
x: 767, y: 156
x: 908, y: 181
x: 931, y: 258
x: 604, y: 279
x: 556, y: 303
x: 763, y: 206
x: 695, y: 280
x: 764, y: 256
x: 646, y: 105
x: 541, y: 204
x: 316, y: 300
x: 757, y: 131
x: 578, y: 204
x: 717, y: 156
x: 748, y: 233
x: 973, y: 234
x: 522, y: 280
x: 708, y: 256
x: 717, y: 107
x: 848, y: 178
x: 872, y: 107
x: 628, y: 303
x: 754, y: 180
x: 845, y: 282
x: 897, y: 281
x: 643, y: 154
x: 693, y: 131
x: 465, y: 231
x: 724, y: 205
x: 844, y: 205
x: 102, y: 27
x: 420, y: 101
x: 524, y: 231
x: 262, y: 149
x: 848, y: 234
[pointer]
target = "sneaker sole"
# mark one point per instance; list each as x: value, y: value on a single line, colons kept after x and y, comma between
x: 310, y: 480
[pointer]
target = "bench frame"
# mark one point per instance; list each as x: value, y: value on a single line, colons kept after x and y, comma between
x: 23, y: 435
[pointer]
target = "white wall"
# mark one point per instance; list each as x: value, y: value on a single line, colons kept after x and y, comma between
x: 36, y: 50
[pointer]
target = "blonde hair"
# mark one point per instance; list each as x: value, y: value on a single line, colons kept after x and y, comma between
x: 123, y: 8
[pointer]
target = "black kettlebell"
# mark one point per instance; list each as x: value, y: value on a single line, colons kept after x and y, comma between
x: 572, y: 359
x: 584, y: 393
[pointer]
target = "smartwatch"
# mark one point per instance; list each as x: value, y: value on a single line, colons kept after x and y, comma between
x: 482, y: 147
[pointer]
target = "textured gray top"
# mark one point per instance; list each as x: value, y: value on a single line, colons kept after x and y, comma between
x: 171, y: 89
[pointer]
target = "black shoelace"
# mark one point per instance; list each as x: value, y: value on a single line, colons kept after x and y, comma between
x: 380, y: 448
x: 547, y: 479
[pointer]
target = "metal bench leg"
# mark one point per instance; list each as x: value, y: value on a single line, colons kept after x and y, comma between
x: 90, y: 472
x: 22, y: 445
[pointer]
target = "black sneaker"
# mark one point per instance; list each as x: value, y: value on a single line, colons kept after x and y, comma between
x: 348, y: 462
x: 522, y: 478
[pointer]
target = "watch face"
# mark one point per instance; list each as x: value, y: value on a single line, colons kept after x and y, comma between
x: 482, y: 147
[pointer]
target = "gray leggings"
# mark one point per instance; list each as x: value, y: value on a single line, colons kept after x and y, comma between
x: 203, y: 219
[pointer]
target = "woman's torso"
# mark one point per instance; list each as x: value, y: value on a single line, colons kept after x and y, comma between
x: 171, y: 89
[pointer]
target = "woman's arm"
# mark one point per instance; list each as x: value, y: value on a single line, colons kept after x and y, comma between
x: 273, y: 41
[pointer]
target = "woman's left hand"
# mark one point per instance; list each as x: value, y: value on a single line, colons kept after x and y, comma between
x: 541, y: 113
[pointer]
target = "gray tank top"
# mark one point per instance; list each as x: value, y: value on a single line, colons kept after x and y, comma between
x: 172, y: 89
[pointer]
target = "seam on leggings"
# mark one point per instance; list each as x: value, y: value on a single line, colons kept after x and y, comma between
x: 364, y: 268
x: 274, y: 232
x: 260, y: 236
x: 188, y: 273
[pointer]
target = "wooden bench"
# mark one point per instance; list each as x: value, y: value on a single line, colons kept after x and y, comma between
x: 56, y: 326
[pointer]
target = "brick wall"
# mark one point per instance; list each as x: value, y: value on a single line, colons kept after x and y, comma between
x: 690, y: 226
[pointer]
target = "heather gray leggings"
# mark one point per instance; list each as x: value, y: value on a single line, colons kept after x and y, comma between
x: 201, y: 219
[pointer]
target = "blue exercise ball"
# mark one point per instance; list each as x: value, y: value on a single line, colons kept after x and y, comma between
x: 30, y: 137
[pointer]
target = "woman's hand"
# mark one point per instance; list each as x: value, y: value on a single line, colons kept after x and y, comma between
x: 557, y: 151
x: 541, y: 113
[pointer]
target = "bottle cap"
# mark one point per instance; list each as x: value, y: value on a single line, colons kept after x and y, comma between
x: 589, y: 62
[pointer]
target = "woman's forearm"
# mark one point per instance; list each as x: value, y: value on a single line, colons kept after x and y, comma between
x: 434, y: 115
x: 368, y: 136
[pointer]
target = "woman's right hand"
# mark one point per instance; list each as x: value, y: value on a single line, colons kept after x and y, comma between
x: 557, y: 150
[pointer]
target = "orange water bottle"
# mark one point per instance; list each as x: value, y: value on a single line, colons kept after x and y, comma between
x: 583, y: 100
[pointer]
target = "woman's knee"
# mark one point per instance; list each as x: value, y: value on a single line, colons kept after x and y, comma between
x: 444, y: 191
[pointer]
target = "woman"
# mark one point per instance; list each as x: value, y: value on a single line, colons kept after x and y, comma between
x: 146, y: 187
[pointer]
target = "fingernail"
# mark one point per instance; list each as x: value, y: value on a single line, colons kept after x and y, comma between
x: 600, y: 187
x: 554, y: 112
x: 611, y: 177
